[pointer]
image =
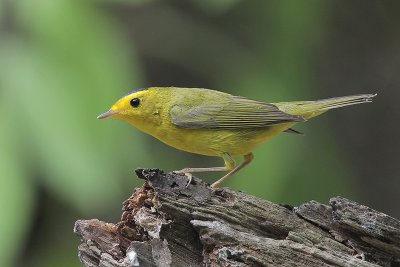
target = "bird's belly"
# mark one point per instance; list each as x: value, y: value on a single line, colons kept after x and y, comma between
x: 215, y: 142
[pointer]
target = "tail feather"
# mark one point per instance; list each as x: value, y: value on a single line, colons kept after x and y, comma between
x: 338, y: 102
x: 309, y: 109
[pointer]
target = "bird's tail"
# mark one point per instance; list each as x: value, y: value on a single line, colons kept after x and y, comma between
x: 309, y: 109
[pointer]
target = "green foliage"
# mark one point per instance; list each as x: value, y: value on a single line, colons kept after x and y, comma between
x: 17, y: 196
x: 63, y: 65
x: 63, y: 62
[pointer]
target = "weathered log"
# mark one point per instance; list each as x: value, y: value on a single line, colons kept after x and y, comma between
x: 167, y: 223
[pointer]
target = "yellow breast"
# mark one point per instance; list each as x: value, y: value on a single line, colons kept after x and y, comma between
x: 214, y: 142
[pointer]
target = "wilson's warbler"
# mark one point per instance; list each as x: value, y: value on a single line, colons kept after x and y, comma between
x: 213, y: 123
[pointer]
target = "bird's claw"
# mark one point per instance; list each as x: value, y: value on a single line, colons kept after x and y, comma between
x: 188, y: 175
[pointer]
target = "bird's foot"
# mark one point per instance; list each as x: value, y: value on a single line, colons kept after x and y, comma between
x: 187, y: 174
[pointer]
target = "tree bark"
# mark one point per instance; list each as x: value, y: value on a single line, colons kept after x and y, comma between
x: 166, y: 223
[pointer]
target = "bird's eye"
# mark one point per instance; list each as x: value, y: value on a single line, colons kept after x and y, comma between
x: 135, y: 102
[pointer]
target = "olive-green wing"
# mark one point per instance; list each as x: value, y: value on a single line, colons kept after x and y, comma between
x: 230, y: 113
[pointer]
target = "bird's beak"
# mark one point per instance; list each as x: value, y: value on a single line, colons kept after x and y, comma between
x: 107, y: 114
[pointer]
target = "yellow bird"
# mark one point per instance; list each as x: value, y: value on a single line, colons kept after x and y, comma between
x: 214, y: 123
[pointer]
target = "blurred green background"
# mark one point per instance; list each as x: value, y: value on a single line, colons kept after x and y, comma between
x: 63, y: 62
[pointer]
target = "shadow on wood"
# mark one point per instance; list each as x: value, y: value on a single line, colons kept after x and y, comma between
x: 165, y: 223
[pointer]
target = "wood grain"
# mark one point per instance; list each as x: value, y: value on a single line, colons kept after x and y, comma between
x: 165, y: 223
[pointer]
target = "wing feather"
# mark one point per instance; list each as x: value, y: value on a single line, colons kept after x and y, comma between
x: 231, y: 112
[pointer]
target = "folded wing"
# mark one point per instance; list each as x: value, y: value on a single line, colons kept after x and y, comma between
x: 232, y: 112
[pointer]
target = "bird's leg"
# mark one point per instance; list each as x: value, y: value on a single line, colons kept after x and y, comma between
x: 247, y: 159
x: 229, y: 165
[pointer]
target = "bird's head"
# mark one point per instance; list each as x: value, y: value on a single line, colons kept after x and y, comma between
x: 140, y: 108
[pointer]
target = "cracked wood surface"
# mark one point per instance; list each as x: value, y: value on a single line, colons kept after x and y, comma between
x: 165, y: 223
